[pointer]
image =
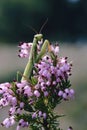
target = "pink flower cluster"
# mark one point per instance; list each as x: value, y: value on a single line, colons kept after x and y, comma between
x: 24, y: 49
x: 8, y: 122
x: 22, y: 123
x: 39, y: 114
x: 9, y: 98
x: 51, y: 76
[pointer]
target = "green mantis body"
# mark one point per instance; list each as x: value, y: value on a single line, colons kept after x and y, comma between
x: 34, y: 57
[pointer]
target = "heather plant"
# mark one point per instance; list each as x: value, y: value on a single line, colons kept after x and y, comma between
x: 44, y: 85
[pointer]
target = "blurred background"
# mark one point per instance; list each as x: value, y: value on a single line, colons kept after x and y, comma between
x: 67, y: 25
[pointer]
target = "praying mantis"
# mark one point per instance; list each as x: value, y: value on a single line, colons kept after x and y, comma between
x: 33, y: 57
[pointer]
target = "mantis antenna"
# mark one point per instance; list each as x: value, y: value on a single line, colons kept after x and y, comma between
x: 43, y: 25
x: 33, y: 29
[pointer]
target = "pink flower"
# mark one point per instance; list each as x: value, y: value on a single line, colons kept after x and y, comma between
x: 60, y: 93
x: 18, y: 127
x: 28, y: 91
x: 13, y: 101
x: 44, y: 115
x: 34, y: 115
x: 55, y: 49
x: 21, y: 104
x: 8, y: 122
x: 36, y: 93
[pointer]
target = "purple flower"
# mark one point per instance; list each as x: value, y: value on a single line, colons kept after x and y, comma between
x: 42, y: 84
x: 23, y: 123
x: 65, y: 96
x: 66, y: 91
x: 48, y: 83
x: 71, y: 93
x: 44, y: 115
x: 36, y: 93
x: 60, y: 93
x: 40, y: 113
x: 18, y: 127
x: 54, y: 82
x: 28, y: 91
x: 14, y: 101
x: 45, y: 93
x: 34, y: 115
x: 55, y: 49
x: 43, y: 89
x: 19, y: 111
x: 21, y: 105
x: 8, y: 122
x: 12, y: 110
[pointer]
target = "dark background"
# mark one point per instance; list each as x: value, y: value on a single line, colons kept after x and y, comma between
x: 67, y: 19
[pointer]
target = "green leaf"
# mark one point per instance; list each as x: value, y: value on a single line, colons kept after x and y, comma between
x: 28, y: 107
x: 34, y: 80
